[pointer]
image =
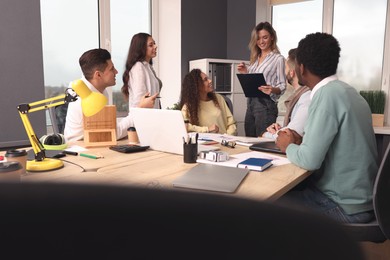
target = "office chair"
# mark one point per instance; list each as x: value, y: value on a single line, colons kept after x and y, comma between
x: 70, y: 221
x: 377, y: 230
x: 228, y: 102
x: 58, y: 118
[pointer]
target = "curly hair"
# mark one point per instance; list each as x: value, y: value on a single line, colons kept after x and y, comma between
x: 192, y: 82
x: 255, y: 50
x: 137, y: 52
x: 319, y: 53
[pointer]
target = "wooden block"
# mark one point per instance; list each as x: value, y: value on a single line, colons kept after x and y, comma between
x: 100, y: 129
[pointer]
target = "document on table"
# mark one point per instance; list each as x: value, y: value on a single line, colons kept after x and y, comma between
x: 235, y: 159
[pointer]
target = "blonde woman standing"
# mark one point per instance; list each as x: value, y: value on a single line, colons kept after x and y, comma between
x: 265, y: 58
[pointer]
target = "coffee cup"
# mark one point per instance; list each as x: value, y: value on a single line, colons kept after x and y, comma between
x: 19, y: 156
x: 132, y: 135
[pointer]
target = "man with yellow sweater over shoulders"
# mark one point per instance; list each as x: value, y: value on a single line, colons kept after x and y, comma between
x: 339, y: 142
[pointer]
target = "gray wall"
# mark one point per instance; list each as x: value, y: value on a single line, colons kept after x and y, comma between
x: 216, y: 29
x: 21, y: 69
x: 203, y: 30
x: 241, y: 18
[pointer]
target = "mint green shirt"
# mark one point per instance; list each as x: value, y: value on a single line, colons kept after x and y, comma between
x: 339, y: 145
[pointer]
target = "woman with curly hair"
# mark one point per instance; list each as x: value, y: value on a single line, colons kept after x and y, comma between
x: 206, y: 111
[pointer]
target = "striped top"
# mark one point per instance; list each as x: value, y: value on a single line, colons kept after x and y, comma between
x: 273, y: 69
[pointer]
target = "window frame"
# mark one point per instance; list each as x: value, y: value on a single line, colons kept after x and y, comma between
x: 327, y: 26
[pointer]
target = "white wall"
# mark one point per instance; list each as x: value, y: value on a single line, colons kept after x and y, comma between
x: 166, y: 30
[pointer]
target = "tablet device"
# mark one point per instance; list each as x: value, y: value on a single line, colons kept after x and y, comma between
x: 269, y: 147
x: 250, y: 83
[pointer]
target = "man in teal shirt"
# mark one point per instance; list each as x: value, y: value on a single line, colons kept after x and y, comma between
x: 339, y: 141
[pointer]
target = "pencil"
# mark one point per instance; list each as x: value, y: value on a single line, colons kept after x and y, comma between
x: 150, y: 96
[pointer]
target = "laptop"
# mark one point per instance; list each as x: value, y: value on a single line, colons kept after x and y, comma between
x: 211, y: 178
x: 269, y: 147
x: 162, y: 130
x: 250, y: 83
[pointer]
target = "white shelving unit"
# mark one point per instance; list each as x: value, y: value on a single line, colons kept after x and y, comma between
x: 223, y: 74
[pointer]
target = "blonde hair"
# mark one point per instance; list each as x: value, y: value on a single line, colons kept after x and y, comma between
x: 255, y: 50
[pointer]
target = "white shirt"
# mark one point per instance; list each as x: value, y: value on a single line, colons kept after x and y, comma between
x: 322, y: 83
x: 74, y: 128
x: 298, y: 116
x: 142, y: 79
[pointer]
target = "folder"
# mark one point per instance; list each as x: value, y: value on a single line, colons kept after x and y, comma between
x: 250, y: 84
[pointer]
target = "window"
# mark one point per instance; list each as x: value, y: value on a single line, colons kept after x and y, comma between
x: 358, y: 25
x: 70, y: 27
x: 128, y: 17
x: 65, y: 38
x: 292, y: 22
x: 361, y: 38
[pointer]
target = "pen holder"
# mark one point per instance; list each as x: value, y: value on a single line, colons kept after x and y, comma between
x: 190, y: 152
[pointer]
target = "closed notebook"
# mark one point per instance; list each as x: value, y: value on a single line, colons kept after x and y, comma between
x: 212, y: 178
x: 255, y: 164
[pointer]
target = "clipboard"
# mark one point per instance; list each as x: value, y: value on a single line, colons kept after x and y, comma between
x: 250, y: 83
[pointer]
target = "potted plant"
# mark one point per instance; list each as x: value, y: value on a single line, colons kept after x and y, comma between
x: 376, y: 99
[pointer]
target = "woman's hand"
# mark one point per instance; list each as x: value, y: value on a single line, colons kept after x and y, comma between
x: 242, y: 68
x: 213, y: 128
x: 266, y: 89
x: 148, y: 101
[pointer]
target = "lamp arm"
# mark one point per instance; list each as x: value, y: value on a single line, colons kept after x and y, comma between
x: 24, y: 109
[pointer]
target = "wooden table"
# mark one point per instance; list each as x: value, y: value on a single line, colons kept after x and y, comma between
x: 156, y: 169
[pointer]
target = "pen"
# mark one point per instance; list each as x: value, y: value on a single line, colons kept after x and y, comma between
x: 70, y: 152
x: 90, y: 156
x: 150, y: 96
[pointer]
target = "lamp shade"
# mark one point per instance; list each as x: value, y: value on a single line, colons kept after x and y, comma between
x: 91, y: 102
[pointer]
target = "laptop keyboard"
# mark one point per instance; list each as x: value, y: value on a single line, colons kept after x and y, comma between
x: 128, y: 148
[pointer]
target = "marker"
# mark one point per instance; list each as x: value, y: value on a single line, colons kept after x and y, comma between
x: 90, y: 156
x: 70, y: 152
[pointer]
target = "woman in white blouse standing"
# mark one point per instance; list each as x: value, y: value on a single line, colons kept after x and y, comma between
x: 139, y: 78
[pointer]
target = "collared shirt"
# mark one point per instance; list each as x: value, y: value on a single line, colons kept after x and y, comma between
x: 322, y: 83
x: 273, y: 69
x: 298, y: 116
x: 142, y: 79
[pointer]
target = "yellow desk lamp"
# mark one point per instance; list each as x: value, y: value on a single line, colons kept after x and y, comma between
x: 91, y: 103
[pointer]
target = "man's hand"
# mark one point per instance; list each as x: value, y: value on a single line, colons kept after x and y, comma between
x: 273, y: 128
x: 286, y: 137
x: 297, y: 137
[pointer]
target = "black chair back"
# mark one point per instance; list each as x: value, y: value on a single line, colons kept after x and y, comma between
x: 382, y: 194
x: 52, y: 221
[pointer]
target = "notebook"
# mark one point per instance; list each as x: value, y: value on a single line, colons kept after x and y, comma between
x: 211, y: 178
x: 162, y: 130
x: 250, y: 83
x: 266, y: 147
